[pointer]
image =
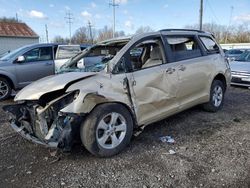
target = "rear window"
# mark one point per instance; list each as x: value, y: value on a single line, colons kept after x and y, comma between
x: 183, y: 47
x: 210, y: 44
x: 66, y: 52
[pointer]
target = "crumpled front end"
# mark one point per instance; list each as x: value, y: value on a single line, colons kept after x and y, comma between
x: 42, y: 122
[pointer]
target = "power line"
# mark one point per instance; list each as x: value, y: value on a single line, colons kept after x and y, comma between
x: 114, y: 5
x: 69, y: 18
x: 212, y: 11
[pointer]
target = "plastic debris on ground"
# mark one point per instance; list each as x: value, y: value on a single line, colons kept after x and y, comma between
x: 171, y: 152
x: 167, y: 139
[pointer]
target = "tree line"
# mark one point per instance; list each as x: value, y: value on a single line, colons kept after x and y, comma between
x: 223, y: 34
x: 233, y: 34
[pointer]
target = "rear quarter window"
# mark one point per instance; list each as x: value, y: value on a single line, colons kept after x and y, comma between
x: 210, y: 45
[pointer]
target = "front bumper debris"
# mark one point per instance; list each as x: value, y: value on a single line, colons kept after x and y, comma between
x: 49, y: 128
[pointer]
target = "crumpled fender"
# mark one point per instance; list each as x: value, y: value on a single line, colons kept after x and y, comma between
x: 96, y: 90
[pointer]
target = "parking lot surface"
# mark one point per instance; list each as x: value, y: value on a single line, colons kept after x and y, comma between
x: 212, y: 150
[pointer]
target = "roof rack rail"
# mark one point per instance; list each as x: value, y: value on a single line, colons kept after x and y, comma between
x: 191, y: 30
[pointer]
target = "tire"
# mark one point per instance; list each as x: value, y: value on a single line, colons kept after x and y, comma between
x: 107, y: 130
x: 216, y: 100
x: 5, y: 89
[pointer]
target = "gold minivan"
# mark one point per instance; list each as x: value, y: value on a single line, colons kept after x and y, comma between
x: 117, y: 86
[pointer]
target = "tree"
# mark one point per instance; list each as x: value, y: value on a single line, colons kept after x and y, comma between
x: 144, y: 29
x: 81, y: 36
x: 12, y: 20
x: 232, y: 34
x: 107, y: 33
x: 59, y: 39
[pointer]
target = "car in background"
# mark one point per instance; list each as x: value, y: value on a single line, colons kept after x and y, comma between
x: 232, y: 54
x: 84, y: 46
x: 65, y: 52
x: 240, y: 69
x: 32, y: 62
x: 139, y: 80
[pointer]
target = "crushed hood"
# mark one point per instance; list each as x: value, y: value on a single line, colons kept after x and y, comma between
x: 48, y: 84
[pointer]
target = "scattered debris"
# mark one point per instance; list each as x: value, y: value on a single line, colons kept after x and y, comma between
x: 9, y: 167
x: 62, y: 183
x: 237, y: 120
x: 171, y: 152
x: 57, y: 159
x: 167, y: 139
x: 53, y: 153
x: 28, y: 172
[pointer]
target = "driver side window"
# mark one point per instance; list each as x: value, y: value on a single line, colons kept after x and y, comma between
x: 147, y: 54
x: 39, y: 54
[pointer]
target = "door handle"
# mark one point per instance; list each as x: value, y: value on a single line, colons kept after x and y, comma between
x: 182, y: 68
x: 48, y: 63
x: 170, y: 70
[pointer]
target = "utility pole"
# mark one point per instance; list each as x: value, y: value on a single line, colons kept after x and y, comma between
x: 69, y: 18
x: 201, y: 13
x: 90, y: 32
x: 229, y: 24
x: 46, y: 31
x: 114, y: 5
x: 16, y: 17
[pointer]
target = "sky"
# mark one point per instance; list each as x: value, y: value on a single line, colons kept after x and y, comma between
x: 130, y: 14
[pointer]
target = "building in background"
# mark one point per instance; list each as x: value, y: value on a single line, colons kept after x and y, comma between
x: 14, y: 35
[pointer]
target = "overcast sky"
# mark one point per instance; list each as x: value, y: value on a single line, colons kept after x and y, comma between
x: 130, y: 14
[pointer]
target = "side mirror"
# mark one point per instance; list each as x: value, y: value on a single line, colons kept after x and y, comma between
x: 20, y: 59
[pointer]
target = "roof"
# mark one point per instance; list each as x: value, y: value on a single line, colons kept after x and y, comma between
x: 9, y: 29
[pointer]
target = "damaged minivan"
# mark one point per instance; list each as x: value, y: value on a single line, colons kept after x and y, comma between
x: 110, y: 90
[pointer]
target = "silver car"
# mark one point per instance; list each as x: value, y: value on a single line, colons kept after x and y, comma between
x: 240, y: 69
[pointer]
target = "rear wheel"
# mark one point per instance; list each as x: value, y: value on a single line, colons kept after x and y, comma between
x: 216, y: 101
x: 107, y: 130
x: 5, y: 89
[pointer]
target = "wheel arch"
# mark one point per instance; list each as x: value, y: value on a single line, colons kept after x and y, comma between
x: 100, y: 100
x: 221, y: 78
x: 8, y: 79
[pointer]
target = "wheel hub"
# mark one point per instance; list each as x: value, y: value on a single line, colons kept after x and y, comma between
x: 111, y: 130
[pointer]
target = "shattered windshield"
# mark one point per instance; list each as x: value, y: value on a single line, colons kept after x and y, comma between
x: 93, y: 59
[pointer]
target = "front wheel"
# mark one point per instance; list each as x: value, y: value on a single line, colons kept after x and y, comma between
x: 107, y: 130
x: 5, y: 89
x: 216, y: 101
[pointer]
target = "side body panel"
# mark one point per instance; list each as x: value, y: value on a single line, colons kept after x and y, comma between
x: 154, y: 93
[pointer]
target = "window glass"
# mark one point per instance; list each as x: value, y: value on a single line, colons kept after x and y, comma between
x: 183, y: 47
x: 66, y: 52
x: 209, y: 44
x: 146, y: 54
x: 38, y: 54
